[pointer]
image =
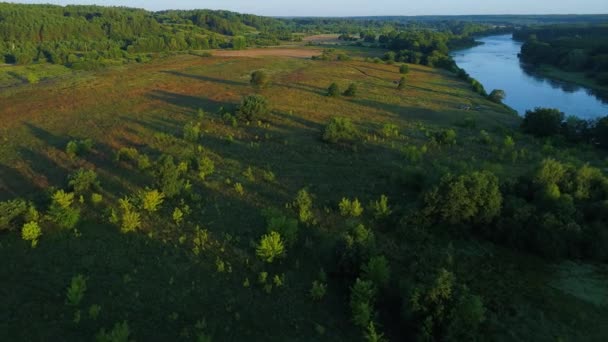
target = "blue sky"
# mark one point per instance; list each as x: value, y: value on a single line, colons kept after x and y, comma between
x: 365, y: 7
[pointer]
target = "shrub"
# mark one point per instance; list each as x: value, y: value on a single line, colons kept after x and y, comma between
x: 61, y: 211
x: 206, y: 167
x: 473, y: 197
x: 10, y: 211
x: 402, y: 83
x: 390, y: 130
x: 76, y: 290
x: 271, y: 247
x: 445, y: 137
x: 238, y: 187
x: 543, y: 122
x: 318, y: 290
x: 96, y: 198
x: 259, y: 78
x: 380, y: 208
x: 350, y: 208
x: 351, y: 91
x: 76, y: 148
x: 372, y: 335
x: 151, y: 200
x: 119, y: 333
x: 333, y: 90
x: 340, y: 130
x: 253, y: 107
x: 377, y: 270
x: 404, y: 69
x: 83, y: 180
x: 168, y: 176
x: 130, y: 220
x: 361, y: 302
x: 31, y: 232
x: 192, y: 131
x: 276, y: 221
x: 303, y: 205
x: 497, y: 95
x: 414, y: 154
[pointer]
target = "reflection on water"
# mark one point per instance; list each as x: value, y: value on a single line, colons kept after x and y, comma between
x: 496, y: 65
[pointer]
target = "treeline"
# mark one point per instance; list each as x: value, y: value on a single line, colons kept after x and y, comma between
x: 87, y: 36
x: 578, y: 48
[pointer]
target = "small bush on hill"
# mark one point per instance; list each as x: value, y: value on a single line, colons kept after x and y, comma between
x: 303, y: 206
x: 377, y: 271
x: 61, y: 210
x: 259, y: 78
x: 83, y: 181
x: 206, y: 167
x: 445, y: 137
x: 404, y: 69
x: 276, y: 221
x: 351, y: 91
x: 362, y: 298
x: 497, y: 95
x: 253, y: 107
x: 10, y: 211
x: 151, y: 200
x: 271, y: 247
x: 350, y: 208
x: 333, y: 90
x: 169, y: 176
x: 31, y: 232
x: 192, y: 131
x: 340, y: 130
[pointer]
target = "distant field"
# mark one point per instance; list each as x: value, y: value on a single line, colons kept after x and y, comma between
x: 263, y: 52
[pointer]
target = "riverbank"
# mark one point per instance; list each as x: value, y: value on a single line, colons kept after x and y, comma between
x: 577, y: 78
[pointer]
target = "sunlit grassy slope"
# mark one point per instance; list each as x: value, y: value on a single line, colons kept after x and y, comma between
x: 152, y: 279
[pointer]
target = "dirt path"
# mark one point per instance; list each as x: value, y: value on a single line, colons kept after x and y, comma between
x: 279, y: 52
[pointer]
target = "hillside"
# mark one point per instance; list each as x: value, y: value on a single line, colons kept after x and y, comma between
x: 199, y: 273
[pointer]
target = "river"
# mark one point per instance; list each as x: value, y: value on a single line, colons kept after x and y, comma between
x: 495, y: 64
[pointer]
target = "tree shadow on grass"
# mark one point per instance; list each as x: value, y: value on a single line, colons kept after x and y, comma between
x: 206, y: 78
x: 193, y: 103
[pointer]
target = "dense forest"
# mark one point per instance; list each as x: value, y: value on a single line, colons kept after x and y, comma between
x: 577, y: 48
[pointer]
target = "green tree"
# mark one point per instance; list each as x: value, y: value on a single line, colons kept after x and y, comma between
x: 497, y: 95
x: 362, y: 296
x: 276, y: 221
x: 271, y: 247
x: 404, y: 69
x: 253, y: 107
x: 259, y: 78
x: 206, y: 167
x: 470, y: 198
x: 318, y: 290
x: 350, y: 208
x: 31, y: 232
x: 192, y: 131
x: 120, y: 333
x: 169, y: 176
x: 377, y: 270
x: 542, y: 122
x: 340, y: 130
x: 333, y: 90
x: 303, y: 206
x: 83, y: 181
x: 239, y: 43
x: 76, y: 290
x: 351, y: 91
x: 61, y: 210
x: 151, y: 200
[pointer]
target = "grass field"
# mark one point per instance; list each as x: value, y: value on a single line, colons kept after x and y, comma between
x: 153, y: 279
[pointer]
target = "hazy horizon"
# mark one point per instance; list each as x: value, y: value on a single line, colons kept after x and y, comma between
x: 343, y: 8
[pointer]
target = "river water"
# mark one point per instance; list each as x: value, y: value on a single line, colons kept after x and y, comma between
x: 495, y: 64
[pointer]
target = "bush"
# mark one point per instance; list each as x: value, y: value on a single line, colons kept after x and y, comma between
x: 61, y: 211
x: 206, y: 167
x: 390, y: 130
x: 404, y: 69
x: 351, y: 91
x: 497, y: 95
x: 333, y: 90
x: 151, y: 200
x: 469, y: 198
x: 10, y: 211
x: 350, y: 208
x: 130, y: 220
x: 340, y: 130
x: 192, y: 131
x: 377, y: 270
x: 169, y: 176
x: 253, y: 107
x: 362, y: 302
x: 83, y: 181
x: 31, y: 232
x: 119, y: 333
x: 271, y: 247
x: 303, y: 205
x: 445, y: 137
x: 276, y: 221
x: 543, y: 122
x: 76, y: 290
x: 259, y: 78
x: 402, y: 83
x: 380, y: 208
x: 76, y: 148
x: 318, y: 290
